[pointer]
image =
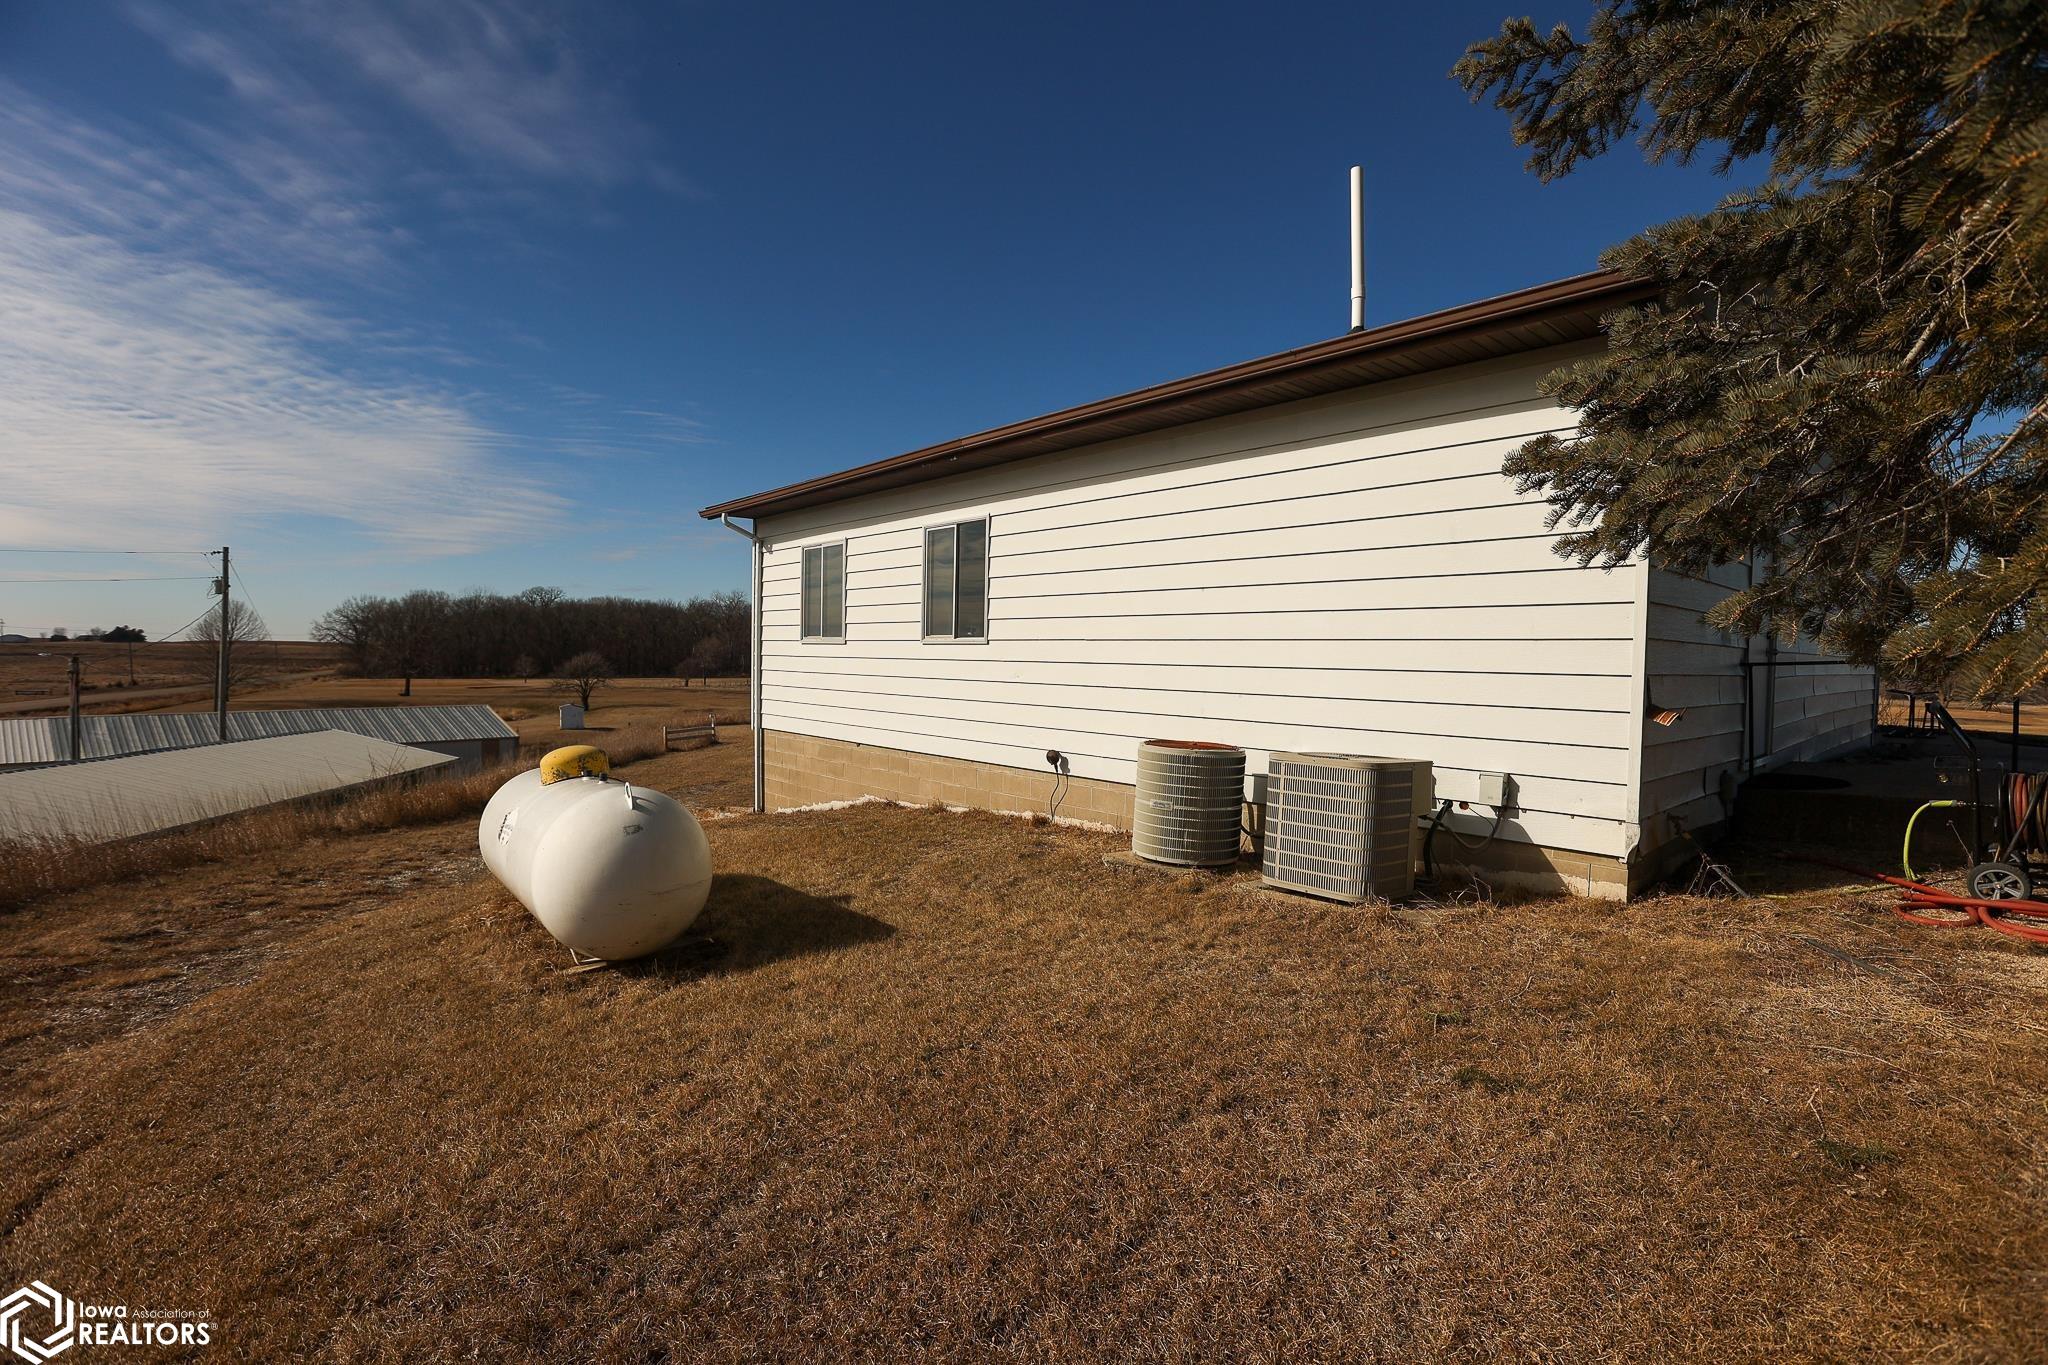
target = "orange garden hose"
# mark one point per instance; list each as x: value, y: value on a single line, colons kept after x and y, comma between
x: 2003, y: 916
x: 2026, y: 811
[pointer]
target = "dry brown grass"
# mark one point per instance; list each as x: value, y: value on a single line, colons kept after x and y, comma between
x: 934, y: 1083
x: 79, y: 966
x: 625, y: 744
x: 31, y: 869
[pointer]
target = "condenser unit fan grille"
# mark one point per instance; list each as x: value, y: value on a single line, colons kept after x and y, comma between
x: 1343, y: 827
x: 1189, y: 803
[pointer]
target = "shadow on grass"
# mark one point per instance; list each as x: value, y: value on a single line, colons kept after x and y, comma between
x: 1765, y: 868
x: 749, y: 922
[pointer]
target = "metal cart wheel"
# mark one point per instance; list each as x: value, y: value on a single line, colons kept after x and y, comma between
x: 2001, y: 882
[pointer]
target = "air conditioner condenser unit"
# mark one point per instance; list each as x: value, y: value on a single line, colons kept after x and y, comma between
x: 1344, y: 826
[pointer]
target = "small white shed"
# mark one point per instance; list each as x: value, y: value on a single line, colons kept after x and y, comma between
x: 1316, y: 550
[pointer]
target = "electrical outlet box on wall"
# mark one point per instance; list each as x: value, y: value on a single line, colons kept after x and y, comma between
x: 1473, y: 789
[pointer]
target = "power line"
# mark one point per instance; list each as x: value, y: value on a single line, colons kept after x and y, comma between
x: 162, y: 639
x: 144, y: 578
x: 247, y: 596
x: 155, y: 639
x: 138, y: 578
x: 37, y: 550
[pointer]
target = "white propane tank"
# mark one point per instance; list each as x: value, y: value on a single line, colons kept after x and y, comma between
x: 613, y: 871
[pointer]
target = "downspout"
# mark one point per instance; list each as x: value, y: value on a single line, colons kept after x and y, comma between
x: 754, y: 662
x: 1749, y: 699
x: 1770, y: 721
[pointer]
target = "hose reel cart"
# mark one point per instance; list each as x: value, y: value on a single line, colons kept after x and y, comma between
x: 2015, y: 859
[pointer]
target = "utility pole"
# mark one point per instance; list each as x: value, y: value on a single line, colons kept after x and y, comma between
x: 220, y: 682
x: 76, y: 669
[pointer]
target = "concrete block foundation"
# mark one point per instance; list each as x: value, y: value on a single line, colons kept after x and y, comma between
x: 804, y: 770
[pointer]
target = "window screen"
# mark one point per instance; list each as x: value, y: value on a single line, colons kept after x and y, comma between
x: 956, y: 581
x: 824, y: 592
x: 970, y: 611
x: 938, y: 580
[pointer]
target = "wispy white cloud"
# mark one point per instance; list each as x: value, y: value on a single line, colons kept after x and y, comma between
x: 501, y: 81
x: 173, y: 357
x: 248, y: 201
x: 508, y: 85
x: 163, y: 398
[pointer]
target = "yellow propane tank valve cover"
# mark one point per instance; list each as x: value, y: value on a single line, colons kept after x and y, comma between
x: 574, y: 760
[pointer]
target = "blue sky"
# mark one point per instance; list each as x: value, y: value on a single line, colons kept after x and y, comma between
x: 440, y: 293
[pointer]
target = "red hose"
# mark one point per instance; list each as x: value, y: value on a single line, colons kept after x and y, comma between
x: 1964, y: 921
x: 1977, y: 912
x: 1965, y: 909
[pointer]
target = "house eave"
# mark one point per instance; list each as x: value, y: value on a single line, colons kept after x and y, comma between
x: 1547, y: 315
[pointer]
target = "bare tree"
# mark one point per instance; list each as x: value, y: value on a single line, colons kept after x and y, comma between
x: 352, y: 627
x: 710, y: 656
x: 409, y: 632
x: 584, y: 674
x: 246, y: 633
x: 525, y: 667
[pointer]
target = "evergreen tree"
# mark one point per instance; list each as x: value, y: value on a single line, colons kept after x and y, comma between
x: 1842, y: 376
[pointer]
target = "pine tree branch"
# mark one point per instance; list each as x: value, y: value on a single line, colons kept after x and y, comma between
x: 2038, y: 410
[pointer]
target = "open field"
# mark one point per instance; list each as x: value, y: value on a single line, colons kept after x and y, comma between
x: 922, y: 1081
x: 170, y: 676
x: 1997, y: 720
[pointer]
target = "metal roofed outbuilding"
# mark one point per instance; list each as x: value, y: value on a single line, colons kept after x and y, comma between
x: 472, y: 734
x: 124, y: 798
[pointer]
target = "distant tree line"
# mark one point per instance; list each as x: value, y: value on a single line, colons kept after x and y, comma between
x: 535, y: 633
x: 119, y: 635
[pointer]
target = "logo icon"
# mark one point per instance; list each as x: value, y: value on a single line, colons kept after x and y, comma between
x: 17, y: 1307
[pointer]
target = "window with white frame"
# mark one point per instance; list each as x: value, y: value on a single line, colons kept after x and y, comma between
x: 956, y: 581
x: 824, y: 609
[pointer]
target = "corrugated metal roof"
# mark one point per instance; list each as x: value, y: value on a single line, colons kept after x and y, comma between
x: 44, y: 739
x: 122, y: 798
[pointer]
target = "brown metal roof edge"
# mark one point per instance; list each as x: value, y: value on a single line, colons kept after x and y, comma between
x: 1595, y: 288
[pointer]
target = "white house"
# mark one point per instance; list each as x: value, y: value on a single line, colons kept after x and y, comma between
x: 1315, y: 550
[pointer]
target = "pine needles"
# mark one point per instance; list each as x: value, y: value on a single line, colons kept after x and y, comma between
x: 1845, y: 379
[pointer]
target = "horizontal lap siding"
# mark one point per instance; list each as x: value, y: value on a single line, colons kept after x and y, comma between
x: 1691, y: 666
x: 1820, y: 708
x: 1349, y: 573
